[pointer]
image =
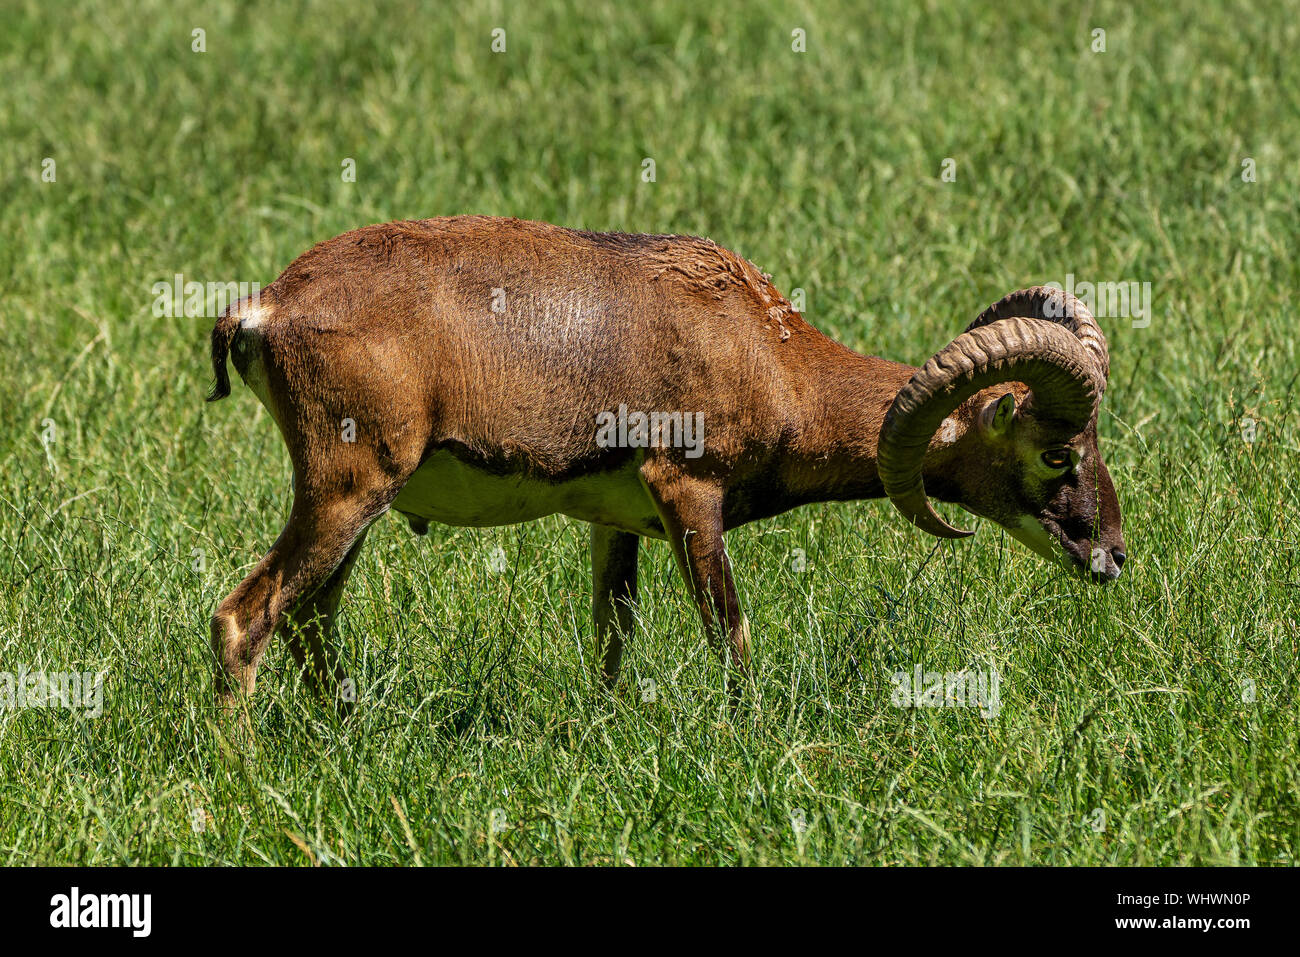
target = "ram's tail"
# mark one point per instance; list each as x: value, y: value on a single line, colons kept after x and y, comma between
x: 223, y: 333
x: 245, y: 314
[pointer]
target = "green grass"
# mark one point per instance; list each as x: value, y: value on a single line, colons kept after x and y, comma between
x: 480, y: 735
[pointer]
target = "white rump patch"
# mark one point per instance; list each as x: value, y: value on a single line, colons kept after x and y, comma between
x: 248, y: 345
x: 252, y: 315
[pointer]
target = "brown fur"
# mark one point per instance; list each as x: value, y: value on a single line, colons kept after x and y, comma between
x: 392, y: 326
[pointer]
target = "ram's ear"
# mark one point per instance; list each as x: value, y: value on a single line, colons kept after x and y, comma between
x: 995, y: 418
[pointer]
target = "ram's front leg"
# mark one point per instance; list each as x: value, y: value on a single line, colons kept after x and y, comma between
x: 691, y: 511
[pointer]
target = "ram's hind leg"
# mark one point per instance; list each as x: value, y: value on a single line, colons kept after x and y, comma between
x: 613, y: 593
x: 309, y: 631
x: 314, y: 552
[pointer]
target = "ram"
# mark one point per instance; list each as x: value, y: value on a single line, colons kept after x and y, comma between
x: 477, y: 371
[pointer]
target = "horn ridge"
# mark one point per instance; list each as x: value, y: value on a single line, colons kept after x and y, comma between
x: 1049, y: 304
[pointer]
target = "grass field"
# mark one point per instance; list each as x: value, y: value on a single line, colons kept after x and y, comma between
x: 1153, y: 722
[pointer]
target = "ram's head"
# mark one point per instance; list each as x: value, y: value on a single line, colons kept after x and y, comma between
x: 1008, y: 415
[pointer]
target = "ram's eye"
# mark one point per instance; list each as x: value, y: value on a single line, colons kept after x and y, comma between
x: 1056, y: 458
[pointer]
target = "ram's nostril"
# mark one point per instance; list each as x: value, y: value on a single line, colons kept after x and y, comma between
x: 1118, y: 557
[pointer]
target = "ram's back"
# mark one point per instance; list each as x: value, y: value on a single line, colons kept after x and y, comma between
x: 509, y: 337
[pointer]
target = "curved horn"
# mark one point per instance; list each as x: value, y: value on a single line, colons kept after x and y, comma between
x: 1061, y: 372
x: 1052, y: 305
